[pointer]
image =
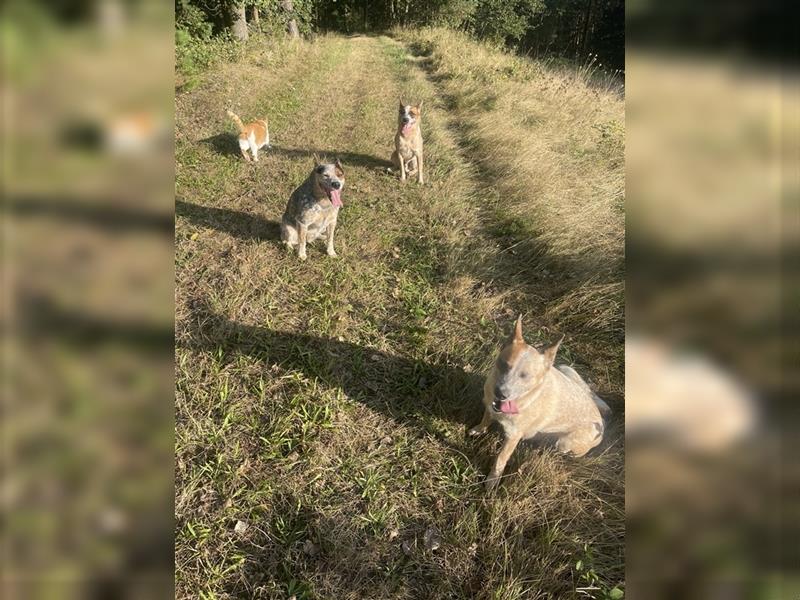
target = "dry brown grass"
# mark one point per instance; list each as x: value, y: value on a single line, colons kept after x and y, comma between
x: 324, y: 404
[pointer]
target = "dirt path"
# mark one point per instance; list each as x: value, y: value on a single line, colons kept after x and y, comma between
x: 323, y: 404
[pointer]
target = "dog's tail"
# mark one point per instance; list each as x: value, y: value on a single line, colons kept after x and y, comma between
x: 605, y: 409
x: 236, y: 120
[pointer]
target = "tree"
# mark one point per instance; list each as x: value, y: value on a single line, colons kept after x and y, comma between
x: 239, y: 15
x: 505, y: 20
x: 288, y: 7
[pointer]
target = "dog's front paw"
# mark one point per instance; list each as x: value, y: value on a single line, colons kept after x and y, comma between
x: 477, y: 430
x: 302, y: 256
x: 332, y: 253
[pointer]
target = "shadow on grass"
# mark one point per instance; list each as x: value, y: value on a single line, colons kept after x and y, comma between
x: 348, y: 158
x: 105, y: 213
x: 238, y: 224
x: 226, y: 144
x: 407, y: 390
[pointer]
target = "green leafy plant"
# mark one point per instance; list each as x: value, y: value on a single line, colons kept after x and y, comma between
x: 591, y: 583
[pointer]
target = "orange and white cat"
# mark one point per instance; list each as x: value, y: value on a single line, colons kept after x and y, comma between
x: 252, y: 136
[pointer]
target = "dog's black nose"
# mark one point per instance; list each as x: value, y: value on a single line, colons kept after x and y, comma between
x: 498, y: 393
x: 336, y: 185
x: 406, y: 119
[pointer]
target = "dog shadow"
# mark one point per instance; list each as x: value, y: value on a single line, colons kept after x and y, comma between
x: 355, y: 159
x: 409, y: 391
x: 226, y: 144
x: 239, y: 224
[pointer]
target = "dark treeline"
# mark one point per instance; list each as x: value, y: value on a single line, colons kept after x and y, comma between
x: 573, y: 29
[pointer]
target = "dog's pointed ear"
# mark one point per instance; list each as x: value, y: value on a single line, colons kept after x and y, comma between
x: 517, y: 337
x: 338, y: 164
x: 402, y: 104
x: 419, y: 105
x: 317, y: 162
x: 550, y: 352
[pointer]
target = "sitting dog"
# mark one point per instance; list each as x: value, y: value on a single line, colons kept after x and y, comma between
x: 526, y: 394
x: 253, y: 136
x: 313, y: 208
x: 408, y: 141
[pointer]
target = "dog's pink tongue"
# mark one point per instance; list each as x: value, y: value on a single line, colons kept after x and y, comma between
x: 509, y: 408
x: 336, y: 199
x: 406, y: 128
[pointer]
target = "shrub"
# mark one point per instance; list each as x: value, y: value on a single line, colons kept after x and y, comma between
x: 193, y: 54
x: 192, y: 21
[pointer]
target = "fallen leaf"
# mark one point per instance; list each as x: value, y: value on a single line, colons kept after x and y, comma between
x: 241, y: 527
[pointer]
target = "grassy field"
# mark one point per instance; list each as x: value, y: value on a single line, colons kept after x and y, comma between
x: 321, y: 407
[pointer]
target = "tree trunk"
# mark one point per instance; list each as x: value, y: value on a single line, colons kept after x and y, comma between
x: 111, y: 17
x: 288, y: 8
x: 239, y: 22
x: 587, y: 19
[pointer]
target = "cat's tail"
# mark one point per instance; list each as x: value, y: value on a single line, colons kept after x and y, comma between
x: 236, y: 120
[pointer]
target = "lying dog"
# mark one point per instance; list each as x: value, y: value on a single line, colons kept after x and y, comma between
x: 252, y: 136
x: 408, y: 141
x: 313, y: 208
x: 528, y: 395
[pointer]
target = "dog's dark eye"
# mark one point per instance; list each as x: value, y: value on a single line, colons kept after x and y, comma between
x: 321, y: 169
x: 523, y: 375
